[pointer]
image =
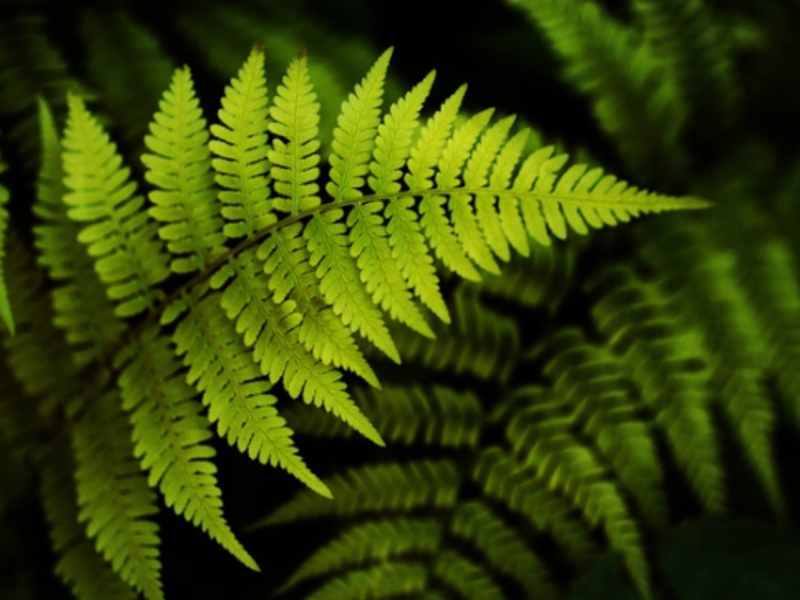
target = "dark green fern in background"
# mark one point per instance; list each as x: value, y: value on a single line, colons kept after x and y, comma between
x: 297, y: 252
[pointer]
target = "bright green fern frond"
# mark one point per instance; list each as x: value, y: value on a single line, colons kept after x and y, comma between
x: 80, y: 305
x: 79, y: 565
x: 354, y: 136
x: 377, y: 541
x: 458, y: 149
x: 376, y: 488
x: 340, y: 282
x: 118, y: 233
x: 422, y: 163
x: 168, y: 432
x: 114, y: 497
x: 240, y: 146
x: 271, y: 329
x: 295, y: 118
x: 368, y: 232
x: 220, y: 366
x: 392, y: 148
x: 180, y: 167
x: 5, y: 307
x: 286, y: 261
x: 504, y: 548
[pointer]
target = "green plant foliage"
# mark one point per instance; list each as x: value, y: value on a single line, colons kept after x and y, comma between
x: 507, y: 409
x: 282, y: 300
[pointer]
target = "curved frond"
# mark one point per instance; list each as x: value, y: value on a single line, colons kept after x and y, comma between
x: 635, y: 102
x: 168, y: 433
x: 504, y: 548
x: 667, y: 361
x: 235, y: 391
x: 504, y: 478
x: 380, y: 581
x: 464, y: 576
x: 438, y: 416
x: 80, y: 304
x: 604, y: 403
x: 79, y: 565
x: 540, y: 436
x: 180, y: 167
x: 114, y: 497
x: 376, y: 488
x: 128, y: 257
x: 373, y: 541
x: 240, y: 148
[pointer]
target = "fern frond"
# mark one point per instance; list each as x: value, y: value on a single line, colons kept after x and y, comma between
x: 354, y: 136
x: 667, y: 361
x: 270, y: 328
x: 687, y: 37
x: 479, y: 341
x: 286, y: 261
x: 368, y: 233
x: 504, y: 548
x: 80, y: 305
x: 168, y: 433
x: 541, y: 437
x: 373, y: 541
x: 504, y: 478
x: 715, y: 299
x: 5, y: 307
x: 340, y: 283
x: 376, y: 488
x: 295, y: 118
x: 381, y: 581
x: 79, y: 565
x: 239, y: 144
x: 235, y: 392
x: 180, y: 167
x: 633, y: 99
x: 422, y: 164
x: 603, y: 401
x: 467, y: 578
x: 128, y: 257
x: 114, y: 497
x: 35, y: 354
x: 438, y: 416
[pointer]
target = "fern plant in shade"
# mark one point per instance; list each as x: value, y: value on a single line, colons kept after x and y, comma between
x: 250, y: 262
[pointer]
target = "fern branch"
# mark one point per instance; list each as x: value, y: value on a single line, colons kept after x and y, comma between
x: 180, y: 167
x: 114, y: 496
x: 168, y: 432
x: 240, y: 147
x: 118, y: 235
x: 235, y: 391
